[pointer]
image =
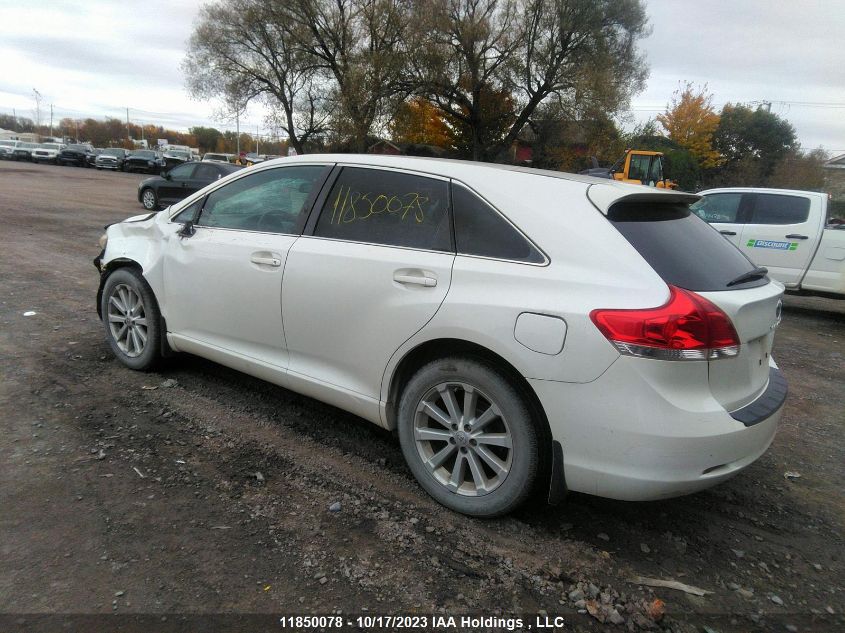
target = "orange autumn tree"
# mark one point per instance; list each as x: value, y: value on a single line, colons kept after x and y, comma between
x: 690, y: 121
x: 418, y: 121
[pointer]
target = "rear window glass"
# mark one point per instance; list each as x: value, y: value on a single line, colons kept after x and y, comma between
x: 771, y: 208
x: 683, y: 249
x: 481, y: 231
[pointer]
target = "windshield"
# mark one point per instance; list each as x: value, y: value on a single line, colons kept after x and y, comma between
x: 7, y: 143
x: 145, y: 154
x: 50, y: 146
x: 113, y: 152
x: 78, y: 148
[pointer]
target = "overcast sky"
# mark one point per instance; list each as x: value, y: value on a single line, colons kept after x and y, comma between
x: 98, y: 57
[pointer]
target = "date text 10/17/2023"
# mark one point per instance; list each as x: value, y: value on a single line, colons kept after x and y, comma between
x: 411, y: 622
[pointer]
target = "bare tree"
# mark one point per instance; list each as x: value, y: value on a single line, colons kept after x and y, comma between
x: 581, y: 52
x: 243, y: 50
x: 362, y: 46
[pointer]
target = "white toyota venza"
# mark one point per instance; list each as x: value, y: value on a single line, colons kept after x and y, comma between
x: 523, y: 331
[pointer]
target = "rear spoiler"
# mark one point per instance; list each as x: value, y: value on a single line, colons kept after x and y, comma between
x: 604, y: 196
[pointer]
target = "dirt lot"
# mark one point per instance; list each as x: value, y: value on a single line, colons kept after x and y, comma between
x: 199, y: 490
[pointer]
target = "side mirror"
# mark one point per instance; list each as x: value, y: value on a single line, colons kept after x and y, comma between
x: 166, y: 175
x: 187, y: 229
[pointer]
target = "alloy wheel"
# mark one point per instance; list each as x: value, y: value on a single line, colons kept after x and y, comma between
x: 149, y: 199
x: 128, y: 320
x: 463, y: 438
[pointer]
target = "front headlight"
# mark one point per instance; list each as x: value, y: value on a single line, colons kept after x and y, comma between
x: 104, y: 239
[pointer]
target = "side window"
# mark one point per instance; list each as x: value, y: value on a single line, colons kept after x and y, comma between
x: 270, y: 201
x: 480, y: 230
x: 772, y: 208
x: 718, y: 207
x: 386, y: 207
x: 188, y: 212
x: 207, y: 172
x: 181, y: 172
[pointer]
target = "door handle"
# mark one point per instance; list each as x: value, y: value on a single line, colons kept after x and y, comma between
x: 419, y: 280
x: 795, y: 236
x: 266, y: 261
x: 728, y: 232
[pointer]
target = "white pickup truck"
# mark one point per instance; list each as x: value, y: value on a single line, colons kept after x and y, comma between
x: 789, y: 232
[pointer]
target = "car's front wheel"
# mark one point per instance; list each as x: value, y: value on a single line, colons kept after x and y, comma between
x: 149, y: 199
x: 132, y: 320
x: 468, y: 436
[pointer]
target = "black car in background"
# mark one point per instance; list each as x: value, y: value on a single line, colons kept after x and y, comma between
x: 111, y: 158
x: 145, y: 160
x: 81, y: 155
x: 180, y: 182
x: 173, y: 157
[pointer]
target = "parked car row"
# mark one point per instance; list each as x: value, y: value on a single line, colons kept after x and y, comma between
x: 86, y: 155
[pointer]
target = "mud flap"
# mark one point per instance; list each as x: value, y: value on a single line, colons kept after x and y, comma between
x: 557, y: 481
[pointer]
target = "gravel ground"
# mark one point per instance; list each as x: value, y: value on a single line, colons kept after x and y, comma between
x: 199, y: 490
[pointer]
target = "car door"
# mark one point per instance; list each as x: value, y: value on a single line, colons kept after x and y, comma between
x: 175, y: 186
x: 782, y: 234
x: 204, y: 174
x: 223, y: 284
x: 726, y: 211
x: 372, y: 268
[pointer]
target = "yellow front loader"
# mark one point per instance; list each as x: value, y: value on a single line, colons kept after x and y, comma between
x: 638, y: 167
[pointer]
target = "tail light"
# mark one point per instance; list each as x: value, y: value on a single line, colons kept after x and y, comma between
x: 687, y: 327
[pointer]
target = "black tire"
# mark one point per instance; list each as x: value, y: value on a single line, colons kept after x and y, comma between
x: 118, y: 285
x: 493, y: 387
x: 149, y: 199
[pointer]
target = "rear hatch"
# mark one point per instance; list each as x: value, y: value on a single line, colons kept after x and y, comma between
x: 688, y: 253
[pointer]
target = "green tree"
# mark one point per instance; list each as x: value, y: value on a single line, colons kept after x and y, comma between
x: 752, y: 143
x: 206, y: 137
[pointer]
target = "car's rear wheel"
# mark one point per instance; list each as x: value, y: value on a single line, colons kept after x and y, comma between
x: 468, y: 436
x: 149, y: 199
x: 131, y: 319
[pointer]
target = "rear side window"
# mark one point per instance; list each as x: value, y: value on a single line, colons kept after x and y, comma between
x: 772, y: 208
x: 385, y: 207
x: 683, y: 249
x: 481, y: 231
x: 718, y: 207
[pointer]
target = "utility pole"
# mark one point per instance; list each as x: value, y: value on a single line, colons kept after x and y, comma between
x: 15, y: 117
x: 128, y: 136
x: 257, y: 138
x: 37, y: 110
x: 76, y: 126
x: 238, y: 131
x: 51, y: 120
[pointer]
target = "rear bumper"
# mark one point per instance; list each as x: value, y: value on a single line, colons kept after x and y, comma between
x: 649, y: 430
